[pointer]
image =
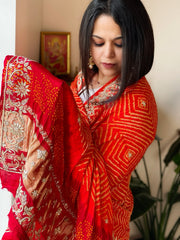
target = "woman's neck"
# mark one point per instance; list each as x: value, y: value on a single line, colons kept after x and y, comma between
x: 99, y: 81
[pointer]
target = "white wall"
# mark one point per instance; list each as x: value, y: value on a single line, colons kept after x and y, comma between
x: 28, y: 27
x: 165, y: 75
x: 65, y: 16
x: 5, y: 205
x: 7, y: 29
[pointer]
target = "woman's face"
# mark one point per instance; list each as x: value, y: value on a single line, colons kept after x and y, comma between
x: 106, y: 46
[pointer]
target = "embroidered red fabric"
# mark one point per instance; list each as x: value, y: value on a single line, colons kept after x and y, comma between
x: 71, y: 162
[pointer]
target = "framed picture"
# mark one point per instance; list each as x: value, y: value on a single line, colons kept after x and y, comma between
x: 55, y: 52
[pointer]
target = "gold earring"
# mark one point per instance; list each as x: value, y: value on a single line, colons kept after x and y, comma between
x: 91, y: 62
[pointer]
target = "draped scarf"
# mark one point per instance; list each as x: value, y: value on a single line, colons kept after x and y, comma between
x: 121, y: 130
x: 68, y: 164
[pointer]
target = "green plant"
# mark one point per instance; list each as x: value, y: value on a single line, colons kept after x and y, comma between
x: 155, y: 211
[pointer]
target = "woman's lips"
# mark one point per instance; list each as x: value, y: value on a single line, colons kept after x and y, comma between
x: 108, y: 65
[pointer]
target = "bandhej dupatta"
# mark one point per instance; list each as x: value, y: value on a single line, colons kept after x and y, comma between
x: 68, y: 165
x: 121, y: 130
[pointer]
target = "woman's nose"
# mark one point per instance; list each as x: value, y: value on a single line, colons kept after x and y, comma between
x: 109, y: 51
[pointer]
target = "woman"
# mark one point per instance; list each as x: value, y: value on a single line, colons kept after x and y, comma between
x: 69, y: 164
x: 116, y: 102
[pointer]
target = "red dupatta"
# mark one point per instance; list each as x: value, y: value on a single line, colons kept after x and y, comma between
x: 68, y: 164
x: 48, y: 160
x: 121, y: 132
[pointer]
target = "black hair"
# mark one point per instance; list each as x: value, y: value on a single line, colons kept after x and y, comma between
x: 137, y: 41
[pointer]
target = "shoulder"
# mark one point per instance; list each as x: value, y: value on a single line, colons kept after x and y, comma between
x: 140, y: 94
x: 142, y: 86
x: 139, y: 105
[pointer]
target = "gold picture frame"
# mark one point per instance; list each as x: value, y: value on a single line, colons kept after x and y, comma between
x: 55, y: 52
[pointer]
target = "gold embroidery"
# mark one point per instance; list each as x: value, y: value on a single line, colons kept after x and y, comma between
x: 35, y: 193
x: 23, y: 213
x: 18, y: 86
x: 13, y: 122
x: 142, y: 103
x: 41, y: 154
x: 22, y: 89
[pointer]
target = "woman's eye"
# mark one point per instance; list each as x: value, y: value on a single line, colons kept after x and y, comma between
x: 98, y: 44
x: 118, y: 45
